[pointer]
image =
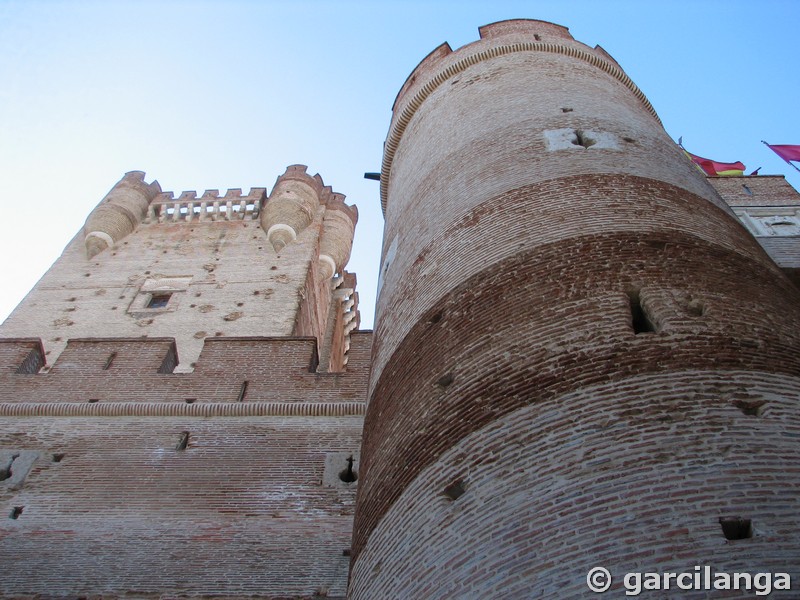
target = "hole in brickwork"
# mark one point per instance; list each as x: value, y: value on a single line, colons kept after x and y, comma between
x: 16, y: 512
x: 566, y: 110
x: 696, y: 308
x: 109, y: 361
x: 445, y: 380
x: 183, y: 442
x: 242, y: 391
x: 436, y: 318
x: 640, y: 321
x: 8, y: 471
x: 629, y: 140
x: 191, y: 400
x: 751, y: 408
x: 736, y: 528
x: 455, y: 490
x: 582, y: 139
x: 58, y: 457
x: 158, y: 300
x: 747, y: 190
x: 348, y: 475
x: 93, y: 400
x: 537, y: 37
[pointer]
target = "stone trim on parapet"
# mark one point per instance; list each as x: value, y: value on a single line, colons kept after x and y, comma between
x: 209, y: 207
x: 401, y: 121
x: 171, y: 409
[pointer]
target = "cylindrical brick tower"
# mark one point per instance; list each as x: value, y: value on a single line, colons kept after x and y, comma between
x: 581, y: 358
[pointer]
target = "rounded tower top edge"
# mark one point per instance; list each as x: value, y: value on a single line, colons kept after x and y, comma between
x: 527, y: 26
x: 497, y: 39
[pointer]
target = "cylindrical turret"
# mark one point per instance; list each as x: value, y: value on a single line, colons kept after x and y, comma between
x: 291, y: 206
x: 336, y: 241
x: 581, y: 358
x: 119, y: 213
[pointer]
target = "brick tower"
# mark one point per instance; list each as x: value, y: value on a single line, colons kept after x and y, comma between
x: 581, y: 357
x: 181, y: 400
x: 147, y: 265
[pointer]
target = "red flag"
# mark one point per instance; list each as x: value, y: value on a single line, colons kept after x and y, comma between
x: 786, y: 152
x: 714, y: 168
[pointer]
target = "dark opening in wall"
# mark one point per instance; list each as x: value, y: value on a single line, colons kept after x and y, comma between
x: 93, y: 400
x: 7, y: 472
x: 445, y: 380
x: 736, y: 528
x: 581, y: 139
x: 190, y: 400
x: 58, y: 457
x: 16, y: 512
x: 348, y: 475
x: 242, y: 391
x: 751, y: 408
x: 109, y: 361
x: 183, y: 442
x: 159, y: 300
x: 455, y: 490
x: 640, y: 321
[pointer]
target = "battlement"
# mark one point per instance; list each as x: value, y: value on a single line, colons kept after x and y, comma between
x: 210, y: 206
x: 140, y: 370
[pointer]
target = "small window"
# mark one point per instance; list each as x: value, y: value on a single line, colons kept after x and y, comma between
x: 158, y: 300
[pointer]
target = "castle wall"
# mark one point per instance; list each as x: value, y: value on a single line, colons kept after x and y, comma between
x: 127, y: 480
x: 572, y: 273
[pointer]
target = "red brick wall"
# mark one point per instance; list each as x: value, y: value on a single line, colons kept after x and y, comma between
x: 506, y: 360
x: 111, y: 506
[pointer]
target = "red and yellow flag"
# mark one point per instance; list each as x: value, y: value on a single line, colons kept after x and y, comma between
x: 714, y: 168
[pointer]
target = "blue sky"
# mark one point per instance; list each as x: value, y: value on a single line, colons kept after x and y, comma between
x: 205, y: 95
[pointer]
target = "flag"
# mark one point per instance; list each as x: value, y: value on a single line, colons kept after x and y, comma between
x: 714, y: 168
x: 786, y: 152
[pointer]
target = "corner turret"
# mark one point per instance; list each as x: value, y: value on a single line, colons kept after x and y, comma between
x: 336, y: 242
x: 119, y: 213
x: 291, y: 206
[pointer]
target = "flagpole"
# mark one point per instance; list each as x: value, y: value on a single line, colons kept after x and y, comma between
x: 786, y: 161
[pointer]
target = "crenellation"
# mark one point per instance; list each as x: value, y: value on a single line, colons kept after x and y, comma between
x: 141, y: 370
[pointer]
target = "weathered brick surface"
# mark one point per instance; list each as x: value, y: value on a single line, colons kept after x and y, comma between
x: 225, y: 277
x: 556, y: 207
x: 241, y: 512
x: 128, y: 473
x: 113, y: 508
x: 274, y: 369
x: 632, y: 475
x: 764, y: 190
